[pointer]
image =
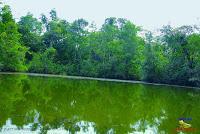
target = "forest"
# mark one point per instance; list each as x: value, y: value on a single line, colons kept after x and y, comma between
x: 117, y: 50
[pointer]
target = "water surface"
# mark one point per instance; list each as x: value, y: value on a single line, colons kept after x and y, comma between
x: 33, y: 104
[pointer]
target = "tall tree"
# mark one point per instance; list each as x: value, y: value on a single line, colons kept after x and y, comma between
x: 12, y: 52
x: 31, y: 29
x: 53, y: 14
x: 193, y: 58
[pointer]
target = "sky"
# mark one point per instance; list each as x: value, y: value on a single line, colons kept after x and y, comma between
x: 149, y: 14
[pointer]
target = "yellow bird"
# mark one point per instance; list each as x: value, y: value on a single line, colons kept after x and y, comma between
x: 184, y: 124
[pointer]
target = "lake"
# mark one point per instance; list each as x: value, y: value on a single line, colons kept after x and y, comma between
x: 36, y: 104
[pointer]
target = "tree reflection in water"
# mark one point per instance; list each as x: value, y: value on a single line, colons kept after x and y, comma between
x: 60, y: 105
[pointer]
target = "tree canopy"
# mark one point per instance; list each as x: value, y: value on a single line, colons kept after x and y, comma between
x: 116, y: 50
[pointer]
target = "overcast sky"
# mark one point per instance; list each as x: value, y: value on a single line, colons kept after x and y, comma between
x: 150, y: 14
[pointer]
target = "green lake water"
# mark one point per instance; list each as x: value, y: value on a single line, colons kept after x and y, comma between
x: 36, y: 104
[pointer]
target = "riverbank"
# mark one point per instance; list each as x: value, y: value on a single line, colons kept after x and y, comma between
x: 98, y: 79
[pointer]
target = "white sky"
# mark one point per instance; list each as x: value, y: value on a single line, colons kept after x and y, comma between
x: 150, y: 14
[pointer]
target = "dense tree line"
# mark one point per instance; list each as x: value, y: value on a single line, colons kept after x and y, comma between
x: 56, y: 46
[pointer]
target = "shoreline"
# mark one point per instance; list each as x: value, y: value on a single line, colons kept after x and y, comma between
x: 98, y: 79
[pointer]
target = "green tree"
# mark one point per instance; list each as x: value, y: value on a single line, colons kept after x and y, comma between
x: 193, y: 56
x: 12, y: 53
x: 53, y: 14
x: 44, y: 63
x: 31, y: 29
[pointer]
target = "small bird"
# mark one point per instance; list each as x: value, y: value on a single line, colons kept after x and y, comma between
x: 184, y: 124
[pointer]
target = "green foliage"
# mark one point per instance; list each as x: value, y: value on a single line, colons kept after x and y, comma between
x: 53, y: 14
x: 12, y: 53
x: 52, y: 45
x: 180, y: 67
x: 30, y: 29
x: 113, y: 50
x: 193, y: 48
x: 30, y: 24
x: 156, y: 60
x: 44, y: 63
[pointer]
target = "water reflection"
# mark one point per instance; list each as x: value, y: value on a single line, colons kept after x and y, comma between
x: 10, y: 128
x: 147, y: 127
x: 58, y: 105
x: 82, y: 127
